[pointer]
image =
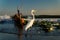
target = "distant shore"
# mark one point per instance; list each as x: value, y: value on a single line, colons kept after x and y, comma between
x: 43, y: 16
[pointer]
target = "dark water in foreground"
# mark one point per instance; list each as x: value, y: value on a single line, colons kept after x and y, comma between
x: 35, y: 34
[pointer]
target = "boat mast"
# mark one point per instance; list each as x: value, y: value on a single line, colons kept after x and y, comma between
x: 18, y: 11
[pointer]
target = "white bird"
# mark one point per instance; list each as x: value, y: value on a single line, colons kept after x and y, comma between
x: 30, y: 23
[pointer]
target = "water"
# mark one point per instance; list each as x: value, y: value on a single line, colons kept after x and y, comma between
x: 32, y: 34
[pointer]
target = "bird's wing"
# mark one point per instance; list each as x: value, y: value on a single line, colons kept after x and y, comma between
x: 29, y: 24
x: 27, y: 19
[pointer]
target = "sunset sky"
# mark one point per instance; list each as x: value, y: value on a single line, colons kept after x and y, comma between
x: 42, y: 7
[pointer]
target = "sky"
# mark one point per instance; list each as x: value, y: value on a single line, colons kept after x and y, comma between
x: 42, y: 7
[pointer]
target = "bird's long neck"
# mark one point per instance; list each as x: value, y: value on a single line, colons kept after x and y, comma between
x: 33, y: 15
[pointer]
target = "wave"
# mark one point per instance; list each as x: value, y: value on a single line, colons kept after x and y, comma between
x: 5, y: 19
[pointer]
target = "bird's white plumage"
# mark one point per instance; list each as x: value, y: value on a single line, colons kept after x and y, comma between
x: 31, y: 21
x: 29, y: 24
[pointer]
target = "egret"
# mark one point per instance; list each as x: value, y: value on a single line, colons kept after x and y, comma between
x: 30, y: 23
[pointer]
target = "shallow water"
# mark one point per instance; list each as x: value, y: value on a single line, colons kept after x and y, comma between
x: 32, y: 34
